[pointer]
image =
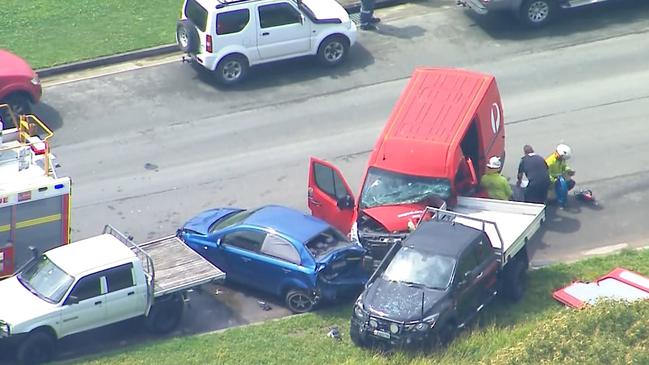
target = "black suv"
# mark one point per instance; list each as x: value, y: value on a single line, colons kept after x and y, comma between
x: 427, y: 287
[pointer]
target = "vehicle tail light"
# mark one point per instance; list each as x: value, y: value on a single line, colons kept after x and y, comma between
x: 208, y: 43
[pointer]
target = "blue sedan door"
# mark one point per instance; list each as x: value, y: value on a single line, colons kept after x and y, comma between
x: 240, y: 249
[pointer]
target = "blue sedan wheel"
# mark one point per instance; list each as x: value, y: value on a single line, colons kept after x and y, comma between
x: 299, y: 301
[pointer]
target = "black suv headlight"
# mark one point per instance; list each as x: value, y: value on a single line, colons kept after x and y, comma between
x: 423, y: 325
x: 359, y: 311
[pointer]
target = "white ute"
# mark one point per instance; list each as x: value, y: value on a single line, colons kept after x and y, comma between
x: 96, y: 282
x: 229, y: 36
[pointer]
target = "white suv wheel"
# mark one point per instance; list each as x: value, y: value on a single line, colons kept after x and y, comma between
x: 232, y: 69
x: 334, y: 51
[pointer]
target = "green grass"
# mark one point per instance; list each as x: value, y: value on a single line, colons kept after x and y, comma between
x: 537, y: 330
x: 52, y: 32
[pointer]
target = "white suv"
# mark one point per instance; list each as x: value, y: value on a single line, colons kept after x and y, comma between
x: 228, y: 37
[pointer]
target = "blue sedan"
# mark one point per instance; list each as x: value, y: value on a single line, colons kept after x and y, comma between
x: 279, y: 250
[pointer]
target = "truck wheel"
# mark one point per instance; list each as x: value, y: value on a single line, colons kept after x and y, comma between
x: 515, y: 281
x: 333, y: 50
x: 165, y: 316
x: 231, y: 69
x: 537, y: 13
x: 19, y: 103
x: 37, y: 348
x: 357, y: 338
x: 299, y: 301
x: 446, y: 334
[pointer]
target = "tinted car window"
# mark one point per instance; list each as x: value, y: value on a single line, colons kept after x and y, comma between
x: 232, y: 21
x: 120, y: 278
x: 274, y: 15
x: 196, y: 13
x: 88, y: 287
x: 483, y: 251
x: 468, y: 262
x: 247, y: 240
x: 328, y: 181
x: 279, y: 247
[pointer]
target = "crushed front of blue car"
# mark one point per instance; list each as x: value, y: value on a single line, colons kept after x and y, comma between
x: 341, y: 274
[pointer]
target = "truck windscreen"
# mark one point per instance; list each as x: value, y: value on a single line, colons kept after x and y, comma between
x: 384, y: 187
x: 43, y: 278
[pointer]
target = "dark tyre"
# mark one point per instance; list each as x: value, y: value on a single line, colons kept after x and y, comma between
x: 515, y: 280
x: 446, y: 334
x: 231, y: 70
x: 37, y: 348
x: 299, y: 301
x: 187, y: 36
x: 333, y: 50
x: 537, y: 13
x: 357, y: 338
x: 19, y: 104
x: 165, y: 316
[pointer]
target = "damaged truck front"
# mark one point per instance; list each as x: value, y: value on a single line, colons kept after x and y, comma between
x: 433, y: 148
x: 445, y: 273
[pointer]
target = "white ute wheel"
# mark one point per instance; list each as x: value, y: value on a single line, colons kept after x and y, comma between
x: 165, y: 316
x: 37, y: 348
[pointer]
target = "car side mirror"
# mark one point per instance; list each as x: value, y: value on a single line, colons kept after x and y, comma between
x: 345, y: 202
x: 34, y: 251
x: 72, y: 299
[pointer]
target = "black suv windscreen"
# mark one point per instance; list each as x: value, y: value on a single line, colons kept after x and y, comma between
x: 197, y: 14
x: 411, y: 266
x: 384, y: 187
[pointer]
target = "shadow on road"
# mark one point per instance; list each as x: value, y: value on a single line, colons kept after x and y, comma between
x: 589, y: 18
x: 292, y: 71
x: 48, y: 115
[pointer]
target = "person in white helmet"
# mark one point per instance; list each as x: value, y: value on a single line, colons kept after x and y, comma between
x: 557, y: 165
x: 496, y: 185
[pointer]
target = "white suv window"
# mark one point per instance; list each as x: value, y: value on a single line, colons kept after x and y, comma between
x: 197, y: 14
x: 274, y: 15
x: 232, y: 21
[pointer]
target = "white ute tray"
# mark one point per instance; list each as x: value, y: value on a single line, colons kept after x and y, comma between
x: 515, y: 221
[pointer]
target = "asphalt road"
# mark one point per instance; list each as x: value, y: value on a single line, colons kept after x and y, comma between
x: 148, y: 149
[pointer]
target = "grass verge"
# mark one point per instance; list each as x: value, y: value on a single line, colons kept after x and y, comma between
x: 536, y: 331
x: 52, y: 32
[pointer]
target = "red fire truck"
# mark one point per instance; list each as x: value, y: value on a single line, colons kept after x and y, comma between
x: 34, y: 201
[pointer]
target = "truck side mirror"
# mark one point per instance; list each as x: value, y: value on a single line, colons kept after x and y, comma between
x: 34, y: 251
x: 72, y: 299
x: 346, y: 202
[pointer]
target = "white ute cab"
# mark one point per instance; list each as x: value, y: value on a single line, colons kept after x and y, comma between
x: 93, y: 283
x: 227, y: 37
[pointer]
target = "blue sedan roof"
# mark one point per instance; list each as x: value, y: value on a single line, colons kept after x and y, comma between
x: 287, y: 221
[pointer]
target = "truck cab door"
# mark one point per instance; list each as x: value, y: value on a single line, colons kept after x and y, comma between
x: 85, y: 307
x: 329, y: 195
x: 487, y: 271
x: 466, y: 296
x: 123, y: 298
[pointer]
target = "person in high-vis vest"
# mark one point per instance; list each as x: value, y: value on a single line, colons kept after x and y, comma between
x: 368, y: 21
x: 495, y: 184
x: 557, y: 165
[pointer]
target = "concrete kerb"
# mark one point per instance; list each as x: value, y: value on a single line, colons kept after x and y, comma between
x: 160, y: 50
